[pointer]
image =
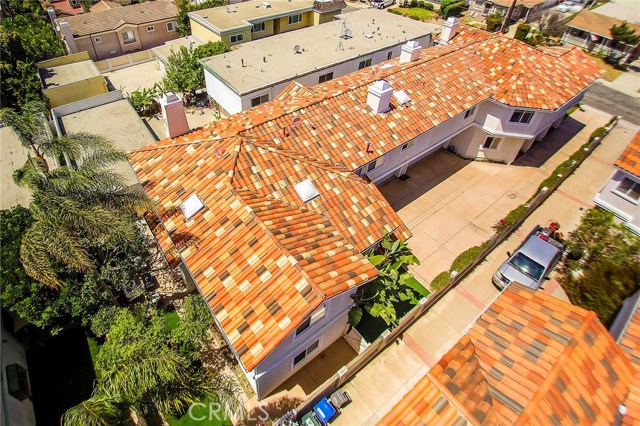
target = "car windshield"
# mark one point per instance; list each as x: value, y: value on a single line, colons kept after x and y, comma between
x: 527, y: 266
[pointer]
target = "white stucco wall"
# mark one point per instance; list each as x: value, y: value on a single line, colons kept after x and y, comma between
x: 228, y: 99
x: 624, y: 208
x: 18, y: 413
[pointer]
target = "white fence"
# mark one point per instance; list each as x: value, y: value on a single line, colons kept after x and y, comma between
x: 125, y: 61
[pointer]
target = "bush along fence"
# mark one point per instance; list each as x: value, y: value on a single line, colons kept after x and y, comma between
x: 461, y: 267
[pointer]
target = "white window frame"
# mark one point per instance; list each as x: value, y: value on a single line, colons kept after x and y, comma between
x: 295, y: 19
x: 493, y: 146
x: 625, y: 194
x: 315, y: 316
x: 172, y: 26
x: 379, y: 162
x: 131, y: 40
x: 470, y: 112
x: 519, y: 115
x: 306, y: 352
x: 364, y: 64
x: 97, y: 40
x: 239, y: 38
x: 328, y: 76
x: 261, y: 25
x: 150, y: 28
x: 260, y: 100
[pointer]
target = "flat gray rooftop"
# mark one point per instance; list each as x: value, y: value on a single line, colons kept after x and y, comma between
x: 239, y: 15
x: 372, y: 30
x: 163, y: 52
x: 116, y: 121
x: 13, y: 156
x: 69, y: 73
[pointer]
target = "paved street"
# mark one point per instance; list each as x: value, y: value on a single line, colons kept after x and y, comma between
x: 385, y: 380
x: 606, y: 98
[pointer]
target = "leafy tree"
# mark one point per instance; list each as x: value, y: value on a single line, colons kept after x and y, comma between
x: 393, y: 284
x: 494, y: 21
x: 144, y: 102
x: 186, y: 6
x: 623, y: 34
x: 451, y: 8
x: 551, y: 24
x: 184, y: 74
x: 143, y: 372
x: 522, y: 31
x: 194, y: 331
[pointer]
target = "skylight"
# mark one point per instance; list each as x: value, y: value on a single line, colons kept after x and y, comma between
x: 191, y: 206
x: 306, y: 190
x: 401, y: 96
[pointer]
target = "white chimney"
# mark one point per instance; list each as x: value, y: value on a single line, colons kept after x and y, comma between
x: 52, y: 16
x: 449, y: 30
x: 174, y: 117
x: 67, y: 32
x: 410, y: 52
x: 379, y: 96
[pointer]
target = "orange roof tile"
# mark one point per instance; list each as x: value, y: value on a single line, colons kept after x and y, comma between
x: 543, y: 361
x: 262, y: 258
x: 629, y: 161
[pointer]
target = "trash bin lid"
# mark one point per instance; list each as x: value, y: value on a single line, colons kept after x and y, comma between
x: 310, y: 419
x: 324, y: 410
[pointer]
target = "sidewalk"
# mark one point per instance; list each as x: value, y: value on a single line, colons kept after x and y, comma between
x: 385, y: 380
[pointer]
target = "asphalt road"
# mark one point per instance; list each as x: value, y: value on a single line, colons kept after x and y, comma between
x: 613, y: 102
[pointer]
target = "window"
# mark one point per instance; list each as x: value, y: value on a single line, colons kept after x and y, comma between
x: 237, y: 38
x: 128, y: 37
x: 468, y: 113
x: 17, y: 382
x: 258, y: 28
x: 172, y: 26
x: 315, y: 316
x: 294, y: 19
x: 151, y: 28
x: 491, y: 143
x: 304, y: 354
x: 363, y: 64
x: 389, y: 55
x: 629, y: 189
x: 375, y: 164
x: 407, y: 145
x: 325, y: 77
x: 98, y: 39
x: 521, y: 116
x: 259, y: 100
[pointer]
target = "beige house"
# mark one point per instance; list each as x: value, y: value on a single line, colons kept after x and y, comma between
x: 121, y: 30
x: 70, y: 78
x: 527, y: 10
x: 243, y: 22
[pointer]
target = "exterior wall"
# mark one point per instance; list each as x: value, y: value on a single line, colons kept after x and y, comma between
x: 228, y: 99
x: 157, y: 37
x: 62, y: 95
x: 324, y: 17
x: 278, y: 365
x: 605, y: 46
x: 624, y: 208
x: 63, y: 60
x: 282, y: 24
x: 246, y: 37
x: 202, y: 33
x: 17, y: 412
x: 268, y: 31
x: 109, y: 47
x: 469, y: 145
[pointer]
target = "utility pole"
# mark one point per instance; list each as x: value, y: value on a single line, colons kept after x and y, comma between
x: 507, y: 17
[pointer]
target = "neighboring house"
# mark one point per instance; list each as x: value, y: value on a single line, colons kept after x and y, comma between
x: 109, y: 115
x: 243, y: 22
x: 254, y: 73
x: 263, y: 209
x: 121, y: 30
x: 530, y: 359
x: 527, y: 10
x: 621, y: 194
x: 625, y: 10
x: 591, y: 31
x: 70, y: 78
x: 103, y: 5
x: 65, y: 8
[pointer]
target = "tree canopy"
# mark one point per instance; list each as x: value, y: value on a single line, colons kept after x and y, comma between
x: 186, y: 6
x: 624, y: 34
x: 451, y: 8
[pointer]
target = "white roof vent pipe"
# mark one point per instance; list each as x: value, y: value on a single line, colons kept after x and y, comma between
x: 410, y: 52
x: 379, y: 96
x: 449, y: 30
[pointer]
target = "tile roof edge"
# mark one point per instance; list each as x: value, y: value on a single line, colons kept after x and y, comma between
x: 154, y: 146
x: 623, y: 330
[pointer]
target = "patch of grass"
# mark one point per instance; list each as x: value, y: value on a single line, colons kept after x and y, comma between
x: 171, y: 320
x: 201, y: 416
x: 415, y: 13
x: 610, y: 71
x: 440, y: 281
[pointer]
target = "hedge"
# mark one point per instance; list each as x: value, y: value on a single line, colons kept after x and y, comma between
x: 522, y: 31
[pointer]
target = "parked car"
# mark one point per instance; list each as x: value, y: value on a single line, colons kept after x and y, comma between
x: 534, y: 259
x: 564, y: 7
x: 381, y: 4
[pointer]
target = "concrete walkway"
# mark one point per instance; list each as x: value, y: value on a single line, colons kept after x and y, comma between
x: 387, y: 378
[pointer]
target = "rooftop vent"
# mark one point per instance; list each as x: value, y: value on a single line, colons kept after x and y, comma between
x: 266, y: 4
x: 410, y: 52
x: 306, y: 190
x: 379, y: 96
x: 449, y: 30
x: 401, y: 96
x: 191, y: 206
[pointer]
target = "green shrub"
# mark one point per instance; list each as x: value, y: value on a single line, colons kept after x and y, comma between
x: 597, y: 133
x: 413, y: 3
x: 451, y: 8
x: 614, y: 118
x: 440, y: 281
x: 522, y: 31
x: 465, y: 258
x: 512, y: 217
x: 425, y: 5
x: 394, y: 11
x: 493, y: 22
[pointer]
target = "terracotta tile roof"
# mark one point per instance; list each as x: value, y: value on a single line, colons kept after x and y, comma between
x: 598, y: 23
x: 629, y: 161
x: 63, y: 8
x: 109, y: 20
x: 544, y: 362
x: 632, y: 403
x: 324, y: 6
x: 262, y: 258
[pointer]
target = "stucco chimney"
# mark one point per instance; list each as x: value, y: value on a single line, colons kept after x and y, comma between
x: 67, y: 32
x: 410, y: 52
x: 449, y: 30
x: 379, y: 96
x: 174, y: 117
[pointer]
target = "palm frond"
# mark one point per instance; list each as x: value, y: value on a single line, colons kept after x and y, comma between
x: 99, y: 410
x: 30, y: 174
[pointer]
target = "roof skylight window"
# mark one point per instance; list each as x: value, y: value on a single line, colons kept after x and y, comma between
x: 191, y: 206
x: 306, y: 190
x: 401, y: 96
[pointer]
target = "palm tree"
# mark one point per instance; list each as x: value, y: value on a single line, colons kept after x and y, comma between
x: 30, y: 127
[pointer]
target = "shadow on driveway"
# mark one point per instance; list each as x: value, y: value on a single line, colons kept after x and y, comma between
x: 553, y: 142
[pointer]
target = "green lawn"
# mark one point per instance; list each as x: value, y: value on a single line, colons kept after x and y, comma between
x: 416, y: 13
x: 171, y: 320
x: 201, y: 417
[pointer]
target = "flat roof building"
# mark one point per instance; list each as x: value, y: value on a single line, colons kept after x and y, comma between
x: 254, y: 72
